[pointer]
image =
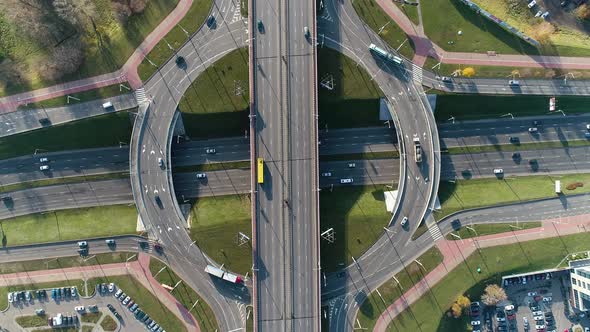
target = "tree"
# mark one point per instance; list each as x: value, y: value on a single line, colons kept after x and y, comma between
x: 542, y: 32
x: 463, y: 301
x: 582, y: 12
x: 515, y: 73
x: 460, y: 303
x: 493, y: 294
x: 456, y: 310
x: 468, y: 72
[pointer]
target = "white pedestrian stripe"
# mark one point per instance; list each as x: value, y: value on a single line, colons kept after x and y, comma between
x: 435, y: 232
x: 237, y: 12
x: 417, y: 73
x: 140, y: 96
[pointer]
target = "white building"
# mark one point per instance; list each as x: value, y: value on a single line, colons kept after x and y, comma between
x: 580, y: 282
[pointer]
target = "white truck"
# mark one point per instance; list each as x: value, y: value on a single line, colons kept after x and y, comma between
x: 219, y: 273
x: 417, y: 150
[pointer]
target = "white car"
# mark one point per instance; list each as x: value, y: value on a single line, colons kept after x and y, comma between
x: 588, y: 127
x: 513, y: 83
x: 540, y: 327
x: 44, y: 168
x: 532, y: 4
x: 498, y: 171
x: 111, y: 287
x: 537, y: 313
x: 538, y: 318
x: 10, y: 298
x: 82, y: 244
x: 210, y: 151
x: 43, y: 160
x: 349, y: 180
x: 404, y: 222
x: 532, y: 293
x: 201, y: 175
x: 126, y: 300
x: 326, y: 174
x: 80, y: 308
x: 501, y: 319
x: 509, y: 307
x: 351, y: 165
x: 475, y: 322
x: 160, y: 162
x: 547, y: 299
x: 545, y: 14
x: 539, y: 13
x: 118, y: 293
x: 533, y: 130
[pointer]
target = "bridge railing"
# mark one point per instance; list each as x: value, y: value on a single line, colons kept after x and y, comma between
x: 134, y: 167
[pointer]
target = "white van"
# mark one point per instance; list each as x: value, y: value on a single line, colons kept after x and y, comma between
x: 349, y: 180
x: 107, y: 105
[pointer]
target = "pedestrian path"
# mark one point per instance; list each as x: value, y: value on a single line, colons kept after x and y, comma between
x: 454, y: 252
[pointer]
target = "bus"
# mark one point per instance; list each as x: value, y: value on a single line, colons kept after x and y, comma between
x: 385, y: 55
x: 260, y: 170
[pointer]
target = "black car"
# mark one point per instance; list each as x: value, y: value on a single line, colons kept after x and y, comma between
x: 516, y: 156
x: 144, y: 245
x: 111, y: 308
x: 211, y: 21
x: 180, y: 62
x: 514, y: 139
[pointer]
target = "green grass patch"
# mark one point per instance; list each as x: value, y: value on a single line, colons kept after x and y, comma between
x: 466, y: 194
x: 32, y: 321
x: 81, y: 134
x: 390, y: 291
x: 146, y: 300
x: 69, y: 224
x: 358, y: 216
x: 516, y: 147
x: 210, y: 106
x: 394, y: 36
x: 103, y: 41
x: 54, y: 181
x: 191, y: 22
x: 442, y: 20
x: 429, y: 313
x: 65, y: 262
x: 85, y: 328
x: 185, y: 295
x: 360, y: 156
x: 215, y: 223
x: 84, y: 96
x: 211, y: 167
x: 488, y: 229
x: 109, y: 324
x: 91, y: 317
x: 354, y: 100
x: 475, y: 107
x: 447, y: 69
x: 410, y: 11
x: 31, y: 287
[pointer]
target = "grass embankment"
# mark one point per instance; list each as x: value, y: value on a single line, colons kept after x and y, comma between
x: 84, y: 96
x: 82, y: 134
x: 66, y: 262
x: 211, y: 167
x: 185, y: 295
x: 475, y: 107
x: 146, y: 300
x: 354, y: 99
x: 444, y: 18
x: 390, y: 291
x: 466, y: 194
x: 210, y: 106
x: 32, y: 321
x: 360, y: 156
x: 70, y: 224
x: 28, y: 286
x: 109, y: 324
x: 429, y: 313
x: 516, y: 147
x: 191, y: 22
x: 73, y: 179
x: 215, y: 223
x: 393, y: 35
x: 488, y: 229
x: 447, y: 69
x: 91, y: 317
x: 45, y: 41
x: 358, y: 216
x: 565, y: 41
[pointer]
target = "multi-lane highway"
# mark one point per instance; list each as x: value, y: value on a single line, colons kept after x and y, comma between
x: 285, y: 208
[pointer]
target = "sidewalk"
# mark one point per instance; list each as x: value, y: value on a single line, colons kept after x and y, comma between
x: 127, y: 73
x: 425, y: 48
x: 139, y: 269
x: 454, y: 251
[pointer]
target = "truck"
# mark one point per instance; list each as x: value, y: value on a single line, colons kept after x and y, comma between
x: 221, y: 274
x: 417, y: 150
x: 385, y: 55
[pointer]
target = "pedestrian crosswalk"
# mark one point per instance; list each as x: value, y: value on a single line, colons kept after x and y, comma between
x: 140, y: 96
x: 417, y: 73
x: 237, y: 13
x: 435, y: 232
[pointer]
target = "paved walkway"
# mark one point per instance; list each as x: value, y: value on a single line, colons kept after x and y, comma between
x: 454, y: 251
x: 425, y: 48
x: 128, y: 73
x: 139, y: 269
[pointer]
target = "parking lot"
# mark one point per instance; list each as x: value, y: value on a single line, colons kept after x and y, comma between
x: 66, y: 304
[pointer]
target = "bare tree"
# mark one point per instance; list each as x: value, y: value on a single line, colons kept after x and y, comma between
x: 493, y: 294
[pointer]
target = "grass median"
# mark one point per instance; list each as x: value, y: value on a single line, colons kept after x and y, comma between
x: 84, y: 96
x: 185, y: 295
x: 476, y: 107
x: 516, y: 147
x: 390, y: 291
x: 146, y: 300
x: 69, y: 224
x: 357, y: 215
x: 467, y: 194
x: 81, y: 134
x: 109, y: 324
x: 65, y: 180
x: 211, y: 167
x: 66, y: 262
x: 190, y: 23
x: 429, y: 313
x: 32, y: 321
x: 370, y: 12
x: 488, y: 229
x: 360, y: 156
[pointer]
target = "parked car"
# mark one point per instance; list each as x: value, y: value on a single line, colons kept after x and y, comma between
x: 532, y: 4
x: 82, y: 244
x: 111, y: 287
x: 119, y: 292
x: 532, y: 293
x: 201, y: 175
x: 126, y: 300
x: 80, y: 308
x: 545, y: 15
x: 10, y: 298
x: 40, y: 311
